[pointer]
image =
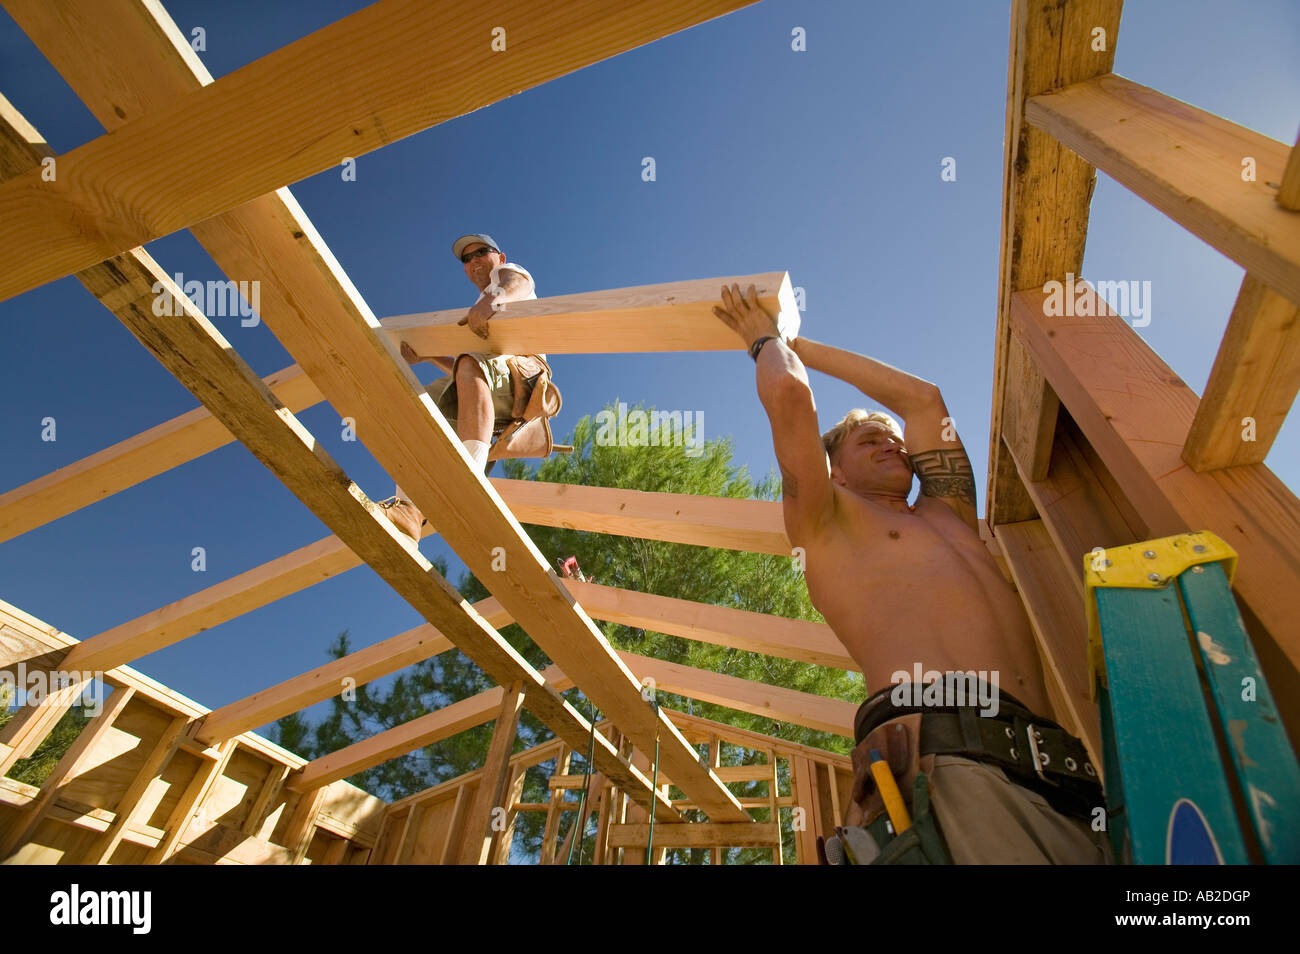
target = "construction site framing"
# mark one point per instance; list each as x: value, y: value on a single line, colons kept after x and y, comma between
x: 1095, y: 442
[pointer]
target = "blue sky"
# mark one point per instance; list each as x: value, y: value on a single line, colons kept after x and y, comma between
x: 824, y: 163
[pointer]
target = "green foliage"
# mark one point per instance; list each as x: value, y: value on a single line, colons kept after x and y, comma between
x: 758, y: 582
x: 35, y: 769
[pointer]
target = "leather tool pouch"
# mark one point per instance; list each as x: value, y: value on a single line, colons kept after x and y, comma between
x: 923, y: 843
x: 899, y: 743
x: 537, y: 400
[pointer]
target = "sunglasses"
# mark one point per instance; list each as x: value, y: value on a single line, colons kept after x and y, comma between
x: 479, y: 253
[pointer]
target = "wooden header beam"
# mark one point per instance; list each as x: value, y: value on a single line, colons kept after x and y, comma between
x: 379, y: 75
x: 1045, y: 198
x: 1136, y: 413
x: 1185, y: 162
x: 676, y: 316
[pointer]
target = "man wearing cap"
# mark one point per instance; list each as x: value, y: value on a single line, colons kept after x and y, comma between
x: 479, y: 393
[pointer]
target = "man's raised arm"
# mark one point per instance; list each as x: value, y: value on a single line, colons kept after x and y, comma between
x: 930, y: 436
x: 808, y: 499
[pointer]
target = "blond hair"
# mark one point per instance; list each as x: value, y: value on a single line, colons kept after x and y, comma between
x: 832, y: 439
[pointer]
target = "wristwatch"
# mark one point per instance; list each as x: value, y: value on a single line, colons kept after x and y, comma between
x: 757, y: 346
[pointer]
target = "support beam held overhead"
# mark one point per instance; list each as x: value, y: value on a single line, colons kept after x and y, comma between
x: 676, y: 316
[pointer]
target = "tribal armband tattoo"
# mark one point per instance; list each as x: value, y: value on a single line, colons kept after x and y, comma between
x: 945, y: 473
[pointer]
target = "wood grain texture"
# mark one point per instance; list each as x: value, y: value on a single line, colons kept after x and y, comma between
x: 731, y: 523
x: 1046, y: 192
x: 751, y: 835
x: 1136, y: 413
x: 1054, y: 602
x: 379, y: 75
x: 134, y: 460
x: 334, y: 337
x: 1188, y: 164
x: 1256, y: 375
x: 676, y: 316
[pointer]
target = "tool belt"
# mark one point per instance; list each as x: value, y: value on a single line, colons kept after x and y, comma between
x: 877, y: 844
x: 1034, y: 752
x: 537, y: 400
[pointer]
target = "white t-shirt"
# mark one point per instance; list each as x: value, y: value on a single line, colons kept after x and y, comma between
x: 495, y: 279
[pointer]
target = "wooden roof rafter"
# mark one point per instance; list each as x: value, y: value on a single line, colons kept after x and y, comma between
x: 273, y: 230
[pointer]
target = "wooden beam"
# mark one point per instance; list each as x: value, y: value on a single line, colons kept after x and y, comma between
x: 276, y: 776
x: 126, y: 809
x: 754, y: 525
x: 1253, y: 383
x: 1046, y: 191
x: 755, y: 740
x: 731, y: 523
x: 800, y: 640
x: 675, y: 316
x: 23, y: 734
x: 316, y: 313
x: 1256, y: 372
x: 293, y: 695
x: 807, y: 809
x: 388, y: 71
x: 742, y: 835
x: 503, y: 839
x: 1029, y: 415
x: 29, y: 819
x: 391, y: 743
x: 774, y: 702
x: 216, y: 604
x: 191, y: 801
x: 477, y: 840
x: 191, y: 348
x: 793, y: 639
x: 1077, y: 510
x: 1054, y: 602
x: 1188, y: 164
x: 1136, y: 414
x: 134, y: 460
x: 302, y: 824
x: 551, y: 829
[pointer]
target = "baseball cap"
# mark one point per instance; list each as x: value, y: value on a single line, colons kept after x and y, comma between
x: 458, y: 246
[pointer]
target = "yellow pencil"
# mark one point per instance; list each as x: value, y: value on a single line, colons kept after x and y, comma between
x: 894, y: 804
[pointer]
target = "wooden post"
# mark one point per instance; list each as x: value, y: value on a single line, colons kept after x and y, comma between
x: 502, y: 840
x: 491, y: 788
x: 715, y: 760
x: 302, y: 824
x: 191, y: 800
x: 552, y: 827
x: 161, y: 755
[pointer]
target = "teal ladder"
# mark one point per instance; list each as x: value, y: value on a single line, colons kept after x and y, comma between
x: 1164, y: 682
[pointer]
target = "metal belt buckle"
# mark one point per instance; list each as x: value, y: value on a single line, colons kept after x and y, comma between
x: 1039, y: 759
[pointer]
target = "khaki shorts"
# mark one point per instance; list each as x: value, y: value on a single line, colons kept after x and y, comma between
x: 496, y: 371
x: 989, y: 820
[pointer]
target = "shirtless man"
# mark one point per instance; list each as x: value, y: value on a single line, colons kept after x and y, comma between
x: 910, y: 587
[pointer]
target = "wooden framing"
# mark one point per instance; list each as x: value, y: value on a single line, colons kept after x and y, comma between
x: 1045, y: 197
x: 285, y: 133
x: 1094, y: 443
x: 133, y: 787
x: 677, y: 316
